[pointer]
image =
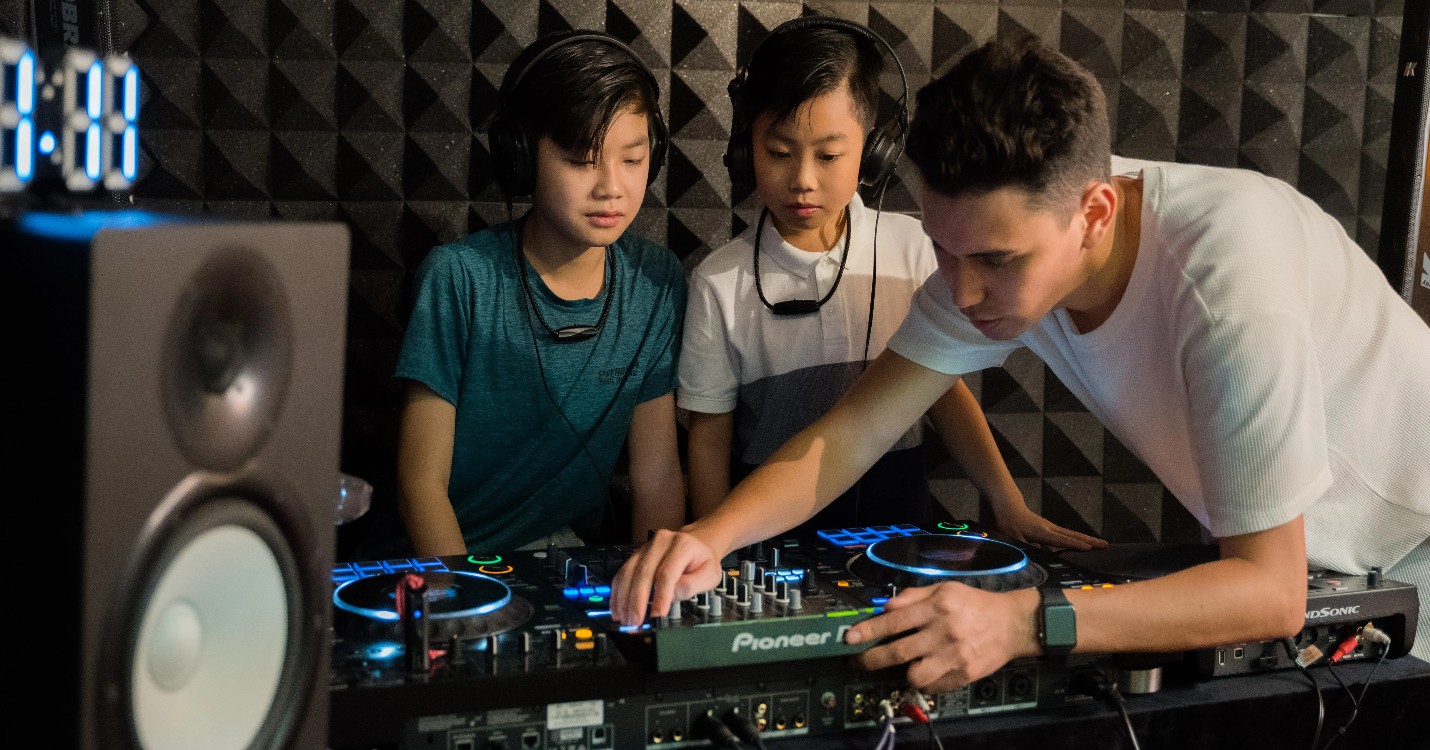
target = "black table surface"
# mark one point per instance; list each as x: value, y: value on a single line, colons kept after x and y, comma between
x: 1266, y: 711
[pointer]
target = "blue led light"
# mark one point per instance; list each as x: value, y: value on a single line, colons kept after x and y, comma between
x: 382, y: 651
x: 24, y: 150
x: 25, y: 84
x: 91, y: 152
x: 82, y: 227
x: 47, y: 143
x: 131, y: 94
x: 93, y: 89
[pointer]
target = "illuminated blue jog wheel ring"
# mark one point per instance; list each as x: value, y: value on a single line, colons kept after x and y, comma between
x: 1013, y: 567
x: 927, y: 559
x: 460, y: 603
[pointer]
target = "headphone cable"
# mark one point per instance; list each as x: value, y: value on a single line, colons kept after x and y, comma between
x: 581, y: 440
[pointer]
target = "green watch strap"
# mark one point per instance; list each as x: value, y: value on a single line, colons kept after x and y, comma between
x: 1057, y: 622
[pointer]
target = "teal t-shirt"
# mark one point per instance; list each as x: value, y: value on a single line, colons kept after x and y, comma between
x: 539, y: 423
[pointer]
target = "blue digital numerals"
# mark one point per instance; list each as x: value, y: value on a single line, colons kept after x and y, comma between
x: 100, y: 136
x: 17, y: 115
x: 93, y: 140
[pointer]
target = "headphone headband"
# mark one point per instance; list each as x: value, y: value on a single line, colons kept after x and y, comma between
x: 513, y: 153
x: 885, y: 142
x: 843, y: 24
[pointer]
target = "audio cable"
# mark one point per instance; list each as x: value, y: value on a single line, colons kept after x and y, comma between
x: 886, y: 718
x: 1303, y: 659
x: 720, y: 736
x: 916, y: 707
x: 739, y: 723
x: 1094, y: 684
x: 1367, y: 632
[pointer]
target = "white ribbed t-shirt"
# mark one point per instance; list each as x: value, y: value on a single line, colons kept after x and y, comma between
x: 1259, y: 363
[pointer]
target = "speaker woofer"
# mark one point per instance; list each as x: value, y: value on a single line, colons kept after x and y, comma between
x: 214, y: 619
x: 228, y: 359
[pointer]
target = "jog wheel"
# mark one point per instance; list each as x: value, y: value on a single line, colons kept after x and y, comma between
x: 463, y: 604
x: 926, y: 559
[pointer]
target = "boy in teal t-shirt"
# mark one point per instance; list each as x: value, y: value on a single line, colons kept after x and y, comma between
x: 539, y: 348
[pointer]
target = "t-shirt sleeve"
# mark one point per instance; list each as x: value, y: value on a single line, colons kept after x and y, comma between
x: 665, y: 330
x: 1256, y: 413
x: 936, y: 335
x: 1254, y: 396
x: 435, y: 343
x: 709, y: 367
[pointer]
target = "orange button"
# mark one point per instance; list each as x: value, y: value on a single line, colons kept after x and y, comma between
x: 583, y: 633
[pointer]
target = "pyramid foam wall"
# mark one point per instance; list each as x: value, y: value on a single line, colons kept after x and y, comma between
x: 364, y: 111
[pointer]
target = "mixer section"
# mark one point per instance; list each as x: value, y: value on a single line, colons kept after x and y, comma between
x: 793, y: 598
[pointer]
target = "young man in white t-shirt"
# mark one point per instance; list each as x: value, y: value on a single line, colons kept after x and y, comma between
x: 1218, y: 322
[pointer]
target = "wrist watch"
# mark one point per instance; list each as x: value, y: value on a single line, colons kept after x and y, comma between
x: 1057, y: 622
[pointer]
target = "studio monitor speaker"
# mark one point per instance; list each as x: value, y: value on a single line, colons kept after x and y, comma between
x: 178, y: 411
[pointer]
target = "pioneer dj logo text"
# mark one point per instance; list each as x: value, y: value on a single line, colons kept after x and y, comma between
x: 1316, y: 614
x: 747, y: 640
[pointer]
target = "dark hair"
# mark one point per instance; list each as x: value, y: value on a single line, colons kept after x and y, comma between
x: 573, y: 94
x: 1012, y: 115
x: 789, y: 69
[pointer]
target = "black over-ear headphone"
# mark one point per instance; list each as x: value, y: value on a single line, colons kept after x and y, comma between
x: 514, y: 153
x: 882, y: 148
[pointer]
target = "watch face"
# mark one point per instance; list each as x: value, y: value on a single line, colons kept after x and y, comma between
x: 1059, y: 626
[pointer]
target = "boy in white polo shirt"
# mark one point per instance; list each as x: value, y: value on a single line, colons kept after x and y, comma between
x: 781, y: 320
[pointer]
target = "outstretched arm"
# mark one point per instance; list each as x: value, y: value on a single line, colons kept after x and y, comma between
x: 424, y: 465
x: 804, y: 475
x: 965, y: 434
x: 656, y: 480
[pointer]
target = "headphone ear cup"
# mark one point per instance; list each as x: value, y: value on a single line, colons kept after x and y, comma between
x: 739, y: 162
x: 659, y: 143
x: 882, y: 150
x: 512, y: 161
x: 739, y: 152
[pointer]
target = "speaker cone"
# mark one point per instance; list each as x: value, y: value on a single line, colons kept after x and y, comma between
x: 211, y: 649
x: 227, y: 359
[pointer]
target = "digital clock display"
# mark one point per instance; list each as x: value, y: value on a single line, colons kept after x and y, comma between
x: 76, y: 120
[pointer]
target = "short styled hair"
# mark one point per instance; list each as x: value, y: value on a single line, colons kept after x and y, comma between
x: 574, y: 92
x: 1013, y: 114
x: 791, y: 67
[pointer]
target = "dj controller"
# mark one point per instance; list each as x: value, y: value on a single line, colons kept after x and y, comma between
x: 518, y: 651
